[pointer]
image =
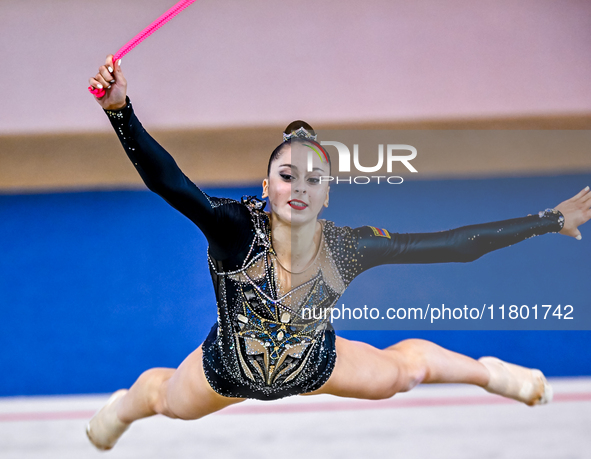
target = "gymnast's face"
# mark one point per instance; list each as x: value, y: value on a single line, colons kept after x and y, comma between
x: 296, y: 196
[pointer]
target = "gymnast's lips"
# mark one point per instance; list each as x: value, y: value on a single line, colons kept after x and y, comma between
x: 297, y: 204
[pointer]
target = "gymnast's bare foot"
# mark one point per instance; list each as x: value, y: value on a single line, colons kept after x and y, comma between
x: 519, y: 383
x: 105, y: 428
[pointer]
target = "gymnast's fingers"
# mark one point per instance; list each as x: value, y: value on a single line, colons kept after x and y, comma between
x: 109, y: 64
x: 95, y: 84
x: 98, y: 77
x: 118, y: 75
x: 118, y: 72
x: 581, y: 193
x: 109, y: 61
x: 107, y: 74
x: 586, y: 197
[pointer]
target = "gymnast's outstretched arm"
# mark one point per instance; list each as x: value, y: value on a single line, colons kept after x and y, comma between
x: 377, y: 246
x: 227, y: 228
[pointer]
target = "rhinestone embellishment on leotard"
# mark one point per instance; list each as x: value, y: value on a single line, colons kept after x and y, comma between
x: 274, y: 334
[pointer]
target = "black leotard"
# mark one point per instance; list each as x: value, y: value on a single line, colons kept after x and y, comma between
x: 273, y: 340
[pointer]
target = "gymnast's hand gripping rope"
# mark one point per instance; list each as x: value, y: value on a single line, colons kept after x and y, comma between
x: 176, y: 9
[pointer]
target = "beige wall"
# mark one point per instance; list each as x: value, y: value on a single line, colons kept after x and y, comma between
x: 543, y: 145
x: 223, y: 66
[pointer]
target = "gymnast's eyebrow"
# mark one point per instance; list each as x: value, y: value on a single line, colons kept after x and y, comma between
x: 296, y: 168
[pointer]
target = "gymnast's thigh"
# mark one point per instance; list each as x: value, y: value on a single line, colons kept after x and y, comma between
x: 362, y: 371
x: 188, y: 393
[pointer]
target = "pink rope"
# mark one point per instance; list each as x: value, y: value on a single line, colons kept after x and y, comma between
x: 176, y: 9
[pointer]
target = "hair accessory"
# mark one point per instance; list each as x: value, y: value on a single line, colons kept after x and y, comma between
x: 300, y: 133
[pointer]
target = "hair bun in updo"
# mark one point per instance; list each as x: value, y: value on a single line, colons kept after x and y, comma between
x: 295, y: 125
x: 299, y: 129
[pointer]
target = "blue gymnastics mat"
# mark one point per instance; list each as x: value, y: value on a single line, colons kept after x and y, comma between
x: 98, y: 286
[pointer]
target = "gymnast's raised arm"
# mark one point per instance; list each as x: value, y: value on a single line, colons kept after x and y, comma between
x: 159, y: 170
x: 468, y: 243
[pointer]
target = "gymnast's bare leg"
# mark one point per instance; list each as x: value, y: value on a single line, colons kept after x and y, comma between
x: 363, y: 371
x: 183, y: 393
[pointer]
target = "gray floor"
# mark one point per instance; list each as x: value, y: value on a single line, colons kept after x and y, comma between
x: 429, y: 422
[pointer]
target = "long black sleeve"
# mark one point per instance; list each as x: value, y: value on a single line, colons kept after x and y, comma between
x: 378, y: 246
x: 227, y: 227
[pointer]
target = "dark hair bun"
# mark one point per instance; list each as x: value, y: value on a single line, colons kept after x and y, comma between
x: 295, y: 125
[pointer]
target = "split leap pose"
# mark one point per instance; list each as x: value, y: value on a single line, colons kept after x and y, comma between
x: 270, y: 268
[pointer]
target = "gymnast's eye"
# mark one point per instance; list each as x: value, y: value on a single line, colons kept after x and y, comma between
x: 314, y: 180
x: 286, y: 177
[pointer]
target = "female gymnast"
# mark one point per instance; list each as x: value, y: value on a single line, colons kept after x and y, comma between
x: 270, y: 269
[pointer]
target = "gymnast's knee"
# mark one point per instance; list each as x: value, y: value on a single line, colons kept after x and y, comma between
x: 156, y: 380
x: 411, y: 363
x: 402, y: 379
